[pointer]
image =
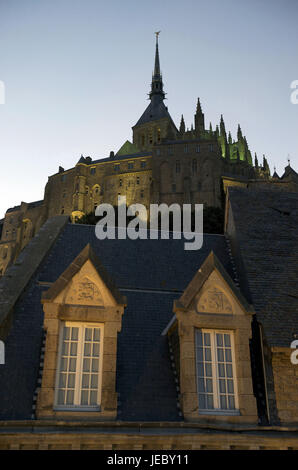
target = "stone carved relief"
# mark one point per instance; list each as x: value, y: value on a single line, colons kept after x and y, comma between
x: 214, y: 301
x: 84, y: 291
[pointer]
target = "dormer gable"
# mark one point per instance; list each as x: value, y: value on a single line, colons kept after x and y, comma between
x: 85, y: 282
x: 212, y: 291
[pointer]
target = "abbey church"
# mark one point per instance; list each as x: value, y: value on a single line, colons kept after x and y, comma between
x: 163, y: 163
x: 140, y: 344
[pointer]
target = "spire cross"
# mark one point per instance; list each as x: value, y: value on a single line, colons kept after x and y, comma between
x: 289, y: 160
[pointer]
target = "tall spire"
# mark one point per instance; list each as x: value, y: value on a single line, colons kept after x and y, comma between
x: 156, y: 84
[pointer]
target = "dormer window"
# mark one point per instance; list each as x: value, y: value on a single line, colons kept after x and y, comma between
x: 215, y: 367
x: 79, y: 370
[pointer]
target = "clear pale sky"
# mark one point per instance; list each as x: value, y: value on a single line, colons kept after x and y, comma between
x: 76, y: 74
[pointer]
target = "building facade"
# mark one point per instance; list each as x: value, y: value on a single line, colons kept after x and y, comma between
x: 163, y: 163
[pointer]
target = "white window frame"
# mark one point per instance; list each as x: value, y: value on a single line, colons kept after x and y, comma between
x: 215, y: 379
x: 79, y: 370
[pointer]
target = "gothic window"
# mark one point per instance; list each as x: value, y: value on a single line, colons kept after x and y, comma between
x: 215, y: 371
x: 143, y: 140
x: 177, y: 166
x: 150, y: 136
x: 158, y: 135
x: 78, y: 383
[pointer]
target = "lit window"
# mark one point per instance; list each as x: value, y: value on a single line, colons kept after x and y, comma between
x: 177, y: 166
x: 215, y: 364
x: 78, y: 383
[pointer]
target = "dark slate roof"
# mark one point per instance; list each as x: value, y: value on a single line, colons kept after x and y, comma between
x: 267, y: 230
x: 154, y: 111
x: 151, y: 274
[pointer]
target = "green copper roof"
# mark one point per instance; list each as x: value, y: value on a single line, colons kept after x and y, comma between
x: 128, y: 149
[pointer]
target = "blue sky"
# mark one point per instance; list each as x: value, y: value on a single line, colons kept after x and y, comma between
x: 77, y: 72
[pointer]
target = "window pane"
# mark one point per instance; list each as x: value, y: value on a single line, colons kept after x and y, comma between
x: 208, y: 370
x: 222, y: 386
x: 219, y: 339
x: 63, y: 364
x: 223, y: 402
x: 201, y: 385
x: 228, y: 355
x: 71, y: 381
x: 69, y: 397
x: 207, y: 339
x: 74, y: 333
x: 86, y: 365
x: 85, y: 381
x: 93, y: 397
x: 207, y: 354
x: 220, y: 355
x: 221, y: 370
x: 95, y: 364
x: 95, y: 351
x: 229, y: 370
x: 200, y: 369
x: 231, y: 402
x: 62, y: 380
x: 84, y: 397
x: 73, y: 349
x: 66, y: 332
x: 87, y: 349
x: 61, y: 397
x: 230, y: 386
x: 209, y: 386
x: 94, y: 381
x: 65, y: 349
x: 72, y: 365
x: 88, y: 334
x: 227, y: 340
x: 210, y: 405
x: 96, y: 335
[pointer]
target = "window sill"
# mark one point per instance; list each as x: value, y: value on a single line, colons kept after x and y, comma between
x: 220, y: 412
x: 77, y: 408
